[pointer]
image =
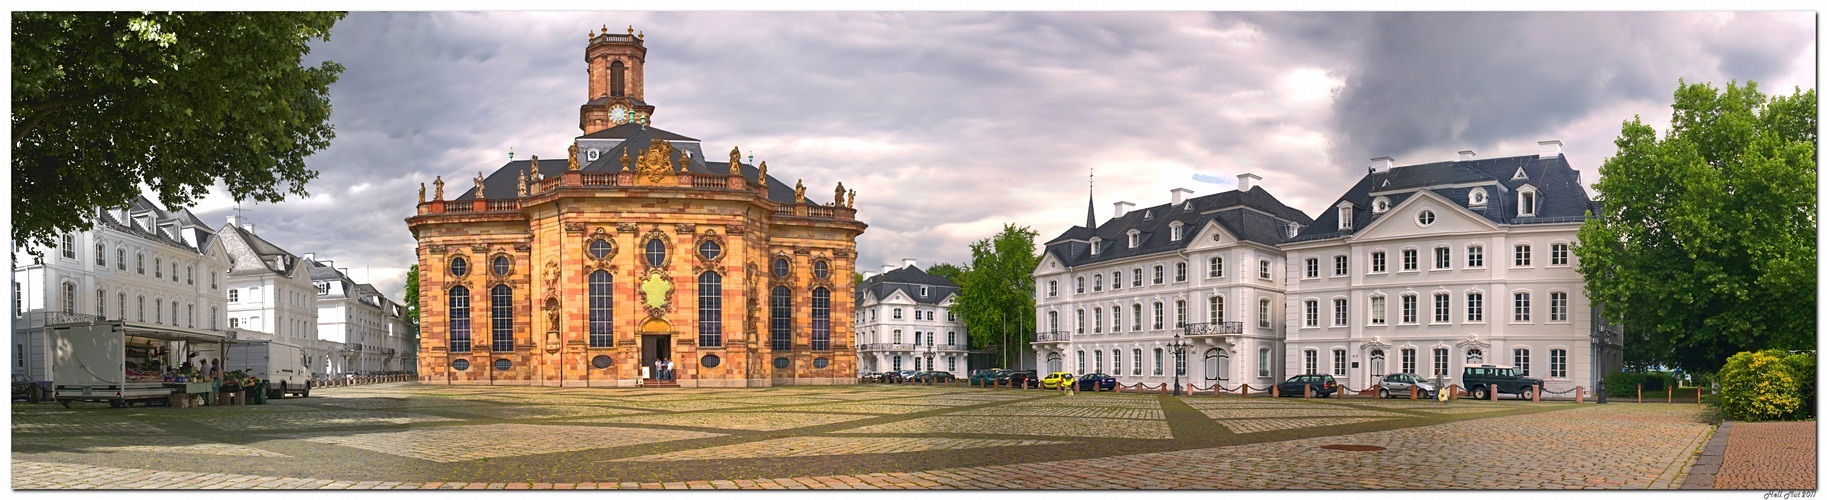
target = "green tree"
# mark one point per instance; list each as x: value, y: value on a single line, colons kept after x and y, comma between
x: 1706, y: 243
x: 996, y: 299
x: 947, y: 271
x: 104, y: 102
x: 412, y: 293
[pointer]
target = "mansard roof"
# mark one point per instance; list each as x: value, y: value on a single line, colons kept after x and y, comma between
x: 1559, y: 195
x: 249, y: 254
x: 1254, y: 215
x: 504, y: 182
x: 164, y: 228
x: 907, y: 279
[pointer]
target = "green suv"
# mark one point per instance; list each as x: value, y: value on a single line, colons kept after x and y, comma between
x: 1480, y: 380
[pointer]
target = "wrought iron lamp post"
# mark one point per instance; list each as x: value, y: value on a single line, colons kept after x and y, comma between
x: 1179, y: 346
x: 1603, y: 340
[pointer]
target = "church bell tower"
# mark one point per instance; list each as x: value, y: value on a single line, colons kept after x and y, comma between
x: 616, y: 75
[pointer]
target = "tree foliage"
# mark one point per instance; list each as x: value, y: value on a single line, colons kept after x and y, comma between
x: 1767, y: 385
x: 106, y: 101
x: 997, y: 297
x: 948, y: 271
x: 412, y: 293
x: 1706, y: 243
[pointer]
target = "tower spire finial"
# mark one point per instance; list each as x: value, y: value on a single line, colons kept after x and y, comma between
x: 1090, y: 203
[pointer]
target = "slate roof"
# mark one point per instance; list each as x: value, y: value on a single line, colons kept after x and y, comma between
x: 165, y: 225
x: 907, y: 279
x: 636, y: 103
x: 504, y: 182
x: 249, y: 254
x: 1253, y: 215
x: 1558, y: 194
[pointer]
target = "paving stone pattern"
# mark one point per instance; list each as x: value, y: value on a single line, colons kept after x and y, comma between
x: 1770, y: 456
x: 409, y: 436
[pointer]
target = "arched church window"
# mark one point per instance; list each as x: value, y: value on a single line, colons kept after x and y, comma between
x: 618, y: 76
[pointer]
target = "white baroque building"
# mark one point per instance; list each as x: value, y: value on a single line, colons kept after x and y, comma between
x: 269, y: 290
x: 139, y: 263
x: 367, y: 331
x: 904, y: 321
x: 1112, y: 296
x: 1426, y: 268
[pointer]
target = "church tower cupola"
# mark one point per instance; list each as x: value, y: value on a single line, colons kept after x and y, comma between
x: 616, y: 97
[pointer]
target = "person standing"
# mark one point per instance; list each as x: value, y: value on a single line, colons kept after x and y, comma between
x: 659, y: 369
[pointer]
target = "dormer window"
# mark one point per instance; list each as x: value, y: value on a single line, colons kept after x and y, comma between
x: 1519, y: 175
x: 1525, y: 201
x: 1476, y: 198
x: 1148, y: 215
x: 1293, y: 229
x: 1096, y: 243
x: 1174, y: 230
x: 1345, y: 216
x: 1135, y: 238
x: 1380, y: 205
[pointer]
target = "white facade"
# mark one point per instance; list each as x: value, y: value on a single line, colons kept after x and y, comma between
x: 1214, y: 294
x: 368, y: 332
x: 1460, y: 289
x: 911, y: 325
x: 139, y: 263
x: 269, y: 292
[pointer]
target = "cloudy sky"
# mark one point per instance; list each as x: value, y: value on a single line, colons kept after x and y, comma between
x: 950, y: 124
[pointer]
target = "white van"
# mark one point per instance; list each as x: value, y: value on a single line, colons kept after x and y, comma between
x: 281, y: 364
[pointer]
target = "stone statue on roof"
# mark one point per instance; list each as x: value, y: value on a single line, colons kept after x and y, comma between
x: 799, y: 192
x: 421, y: 192
x: 852, y: 203
x: 438, y: 185
x: 762, y: 175
x: 572, y: 163
x: 478, y: 184
x: 838, y: 201
x: 735, y: 161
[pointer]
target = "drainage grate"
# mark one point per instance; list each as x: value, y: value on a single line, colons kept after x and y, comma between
x: 1353, y: 447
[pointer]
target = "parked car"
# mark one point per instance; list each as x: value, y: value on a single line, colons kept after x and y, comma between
x: 31, y: 391
x: 900, y: 376
x: 1480, y: 380
x: 1055, y: 380
x: 1097, y: 382
x: 1396, y: 385
x: 1323, y: 385
x: 1019, y: 378
x: 935, y: 377
x: 986, y: 376
x: 869, y: 377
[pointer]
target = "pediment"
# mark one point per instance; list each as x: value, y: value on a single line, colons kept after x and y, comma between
x: 1402, y: 219
x: 1203, y: 238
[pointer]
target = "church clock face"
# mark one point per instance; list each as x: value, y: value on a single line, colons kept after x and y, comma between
x: 618, y: 114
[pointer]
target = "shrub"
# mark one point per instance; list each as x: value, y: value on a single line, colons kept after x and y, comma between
x: 1624, y: 384
x: 1766, y: 385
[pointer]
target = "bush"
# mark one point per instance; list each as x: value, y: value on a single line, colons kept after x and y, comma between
x: 1624, y: 384
x: 1767, y: 385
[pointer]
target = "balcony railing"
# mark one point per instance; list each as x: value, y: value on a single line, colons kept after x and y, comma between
x: 1217, y: 328
x: 503, y: 205
x: 1053, y: 336
x: 910, y: 347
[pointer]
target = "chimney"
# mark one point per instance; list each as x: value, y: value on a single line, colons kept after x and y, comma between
x: 1180, y: 195
x: 906, y: 262
x: 1382, y: 164
x: 310, y: 255
x: 1467, y: 155
x: 887, y: 267
x: 233, y: 220
x: 1550, y: 149
x: 1122, y: 207
x: 868, y: 274
x: 249, y: 227
x: 1247, y: 181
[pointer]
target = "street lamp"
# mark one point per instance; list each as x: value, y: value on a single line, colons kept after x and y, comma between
x: 1603, y: 339
x: 930, y: 340
x: 1179, y: 346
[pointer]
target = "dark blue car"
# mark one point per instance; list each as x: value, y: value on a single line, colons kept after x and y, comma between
x: 1097, y: 382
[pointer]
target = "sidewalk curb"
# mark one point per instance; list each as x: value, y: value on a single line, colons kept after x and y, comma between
x: 1712, y: 455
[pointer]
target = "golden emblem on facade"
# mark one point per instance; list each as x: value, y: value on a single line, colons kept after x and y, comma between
x: 656, y: 162
x: 656, y: 293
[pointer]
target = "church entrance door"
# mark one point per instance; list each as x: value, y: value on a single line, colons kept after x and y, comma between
x: 654, y: 347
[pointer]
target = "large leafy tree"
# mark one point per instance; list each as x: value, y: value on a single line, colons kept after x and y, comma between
x: 997, y: 298
x: 948, y: 271
x: 412, y: 293
x: 104, y: 102
x: 1706, y: 243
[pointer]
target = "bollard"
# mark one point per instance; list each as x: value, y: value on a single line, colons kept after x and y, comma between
x: 1245, y: 390
x: 1697, y: 396
x: 1535, y: 394
x: 1308, y: 389
x: 1579, y: 394
x: 1493, y: 390
x: 1671, y: 395
x: 1639, y: 393
x: 1275, y: 391
x: 1119, y: 388
x: 1414, y: 392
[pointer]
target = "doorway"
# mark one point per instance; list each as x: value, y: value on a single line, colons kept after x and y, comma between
x: 654, y: 347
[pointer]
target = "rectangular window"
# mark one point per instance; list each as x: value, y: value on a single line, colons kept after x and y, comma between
x: 897, y: 336
x: 1097, y: 320
x: 1376, y: 262
x: 69, y: 245
x: 710, y: 310
x: 1081, y: 362
x: 1557, y: 254
x: 1137, y: 310
x: 1157, y: 361
x: 1079, y: 285
x: 1098, y: 358
x: 1443, y: 258
x: 1522, y: 307
x: 1376, y: 310
x: 1408, y: 361
x: 1522, y: 255
x: 1180, y: 365
x: 1527, y: 203
x: 458, y: 320
x: 1557, y: 306
x: 1158, y: 274
x: 1179, y: 314
x: 1557, y: 363
x: 1340, y: 313
x: 1409, y: 307
x: 501, y: 319
x: 916, y: 363
x: 1116, y: 280
x: 1179, y: 272
x: 1116, y: 319
x: 1052, y: 288
x: 1440, y: 360
x: 1312, y: 268
x: 1411, y: 260
x: 1262, y: 313
x: 1097, y: 283
x: 1474, y: 307
x: 602, y: 310
x: 1214, y: 309
x: 1116, y: 362
x: 1312, y: 365
x: 1474, y: 256
x: 951, y: 338
x: 1215, y: 267
x: 1340, y: 265
x: 1136, y: 277
x: 951, y: 364
x: 1520, y: 358
x: 1157, y: 315
x: 1262, y: 269
x: 1263, y: 361
x: 1081, y: 323
x: 1137, y: 369
x: 1338, y: 363
x: 1312, y: 316
x: 1443, y: 308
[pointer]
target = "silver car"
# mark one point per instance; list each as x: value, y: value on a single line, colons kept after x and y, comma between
x: 1397, y: 384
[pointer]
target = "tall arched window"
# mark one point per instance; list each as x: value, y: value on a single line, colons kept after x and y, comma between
x: 69, y: 297
x: 158, y: 311
x: 618, y: 79
x: 821, y: 319
x: 656, y: 252
x: 602, y: 309
x: 101, y: 303
x: 780, y: 318
x: 1052, y: 361
x: 501, y: 319
x: 1137, y: 370
x: 1217, y: 364
x: 710, y: 307
x: 459, y: 319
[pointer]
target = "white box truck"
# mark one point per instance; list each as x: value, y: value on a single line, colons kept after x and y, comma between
x: 279, y: 363
x: 116, y: 362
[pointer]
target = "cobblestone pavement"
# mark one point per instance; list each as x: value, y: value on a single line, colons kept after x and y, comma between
x: 1770, y: 456
x: 412, y: 436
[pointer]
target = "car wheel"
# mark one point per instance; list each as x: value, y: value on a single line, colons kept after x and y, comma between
x: 35, y: 395
x: 1383, y: 394
x: 1478, y: 393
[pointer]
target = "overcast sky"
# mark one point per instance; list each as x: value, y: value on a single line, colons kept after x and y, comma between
x: 948, y: 125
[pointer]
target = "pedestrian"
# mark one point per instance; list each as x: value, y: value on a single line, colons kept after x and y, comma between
x: 667, y: 364
x: 659, y: 372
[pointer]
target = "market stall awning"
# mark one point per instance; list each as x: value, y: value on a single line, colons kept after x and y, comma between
x: 157, y: 331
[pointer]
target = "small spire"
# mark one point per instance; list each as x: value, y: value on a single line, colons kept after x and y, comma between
x: 1090, y: 204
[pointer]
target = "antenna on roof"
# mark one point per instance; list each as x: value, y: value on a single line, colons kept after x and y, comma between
x: 240, y: 213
